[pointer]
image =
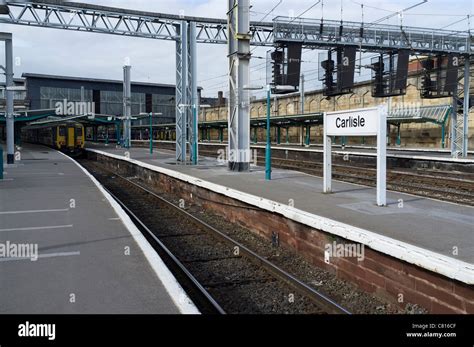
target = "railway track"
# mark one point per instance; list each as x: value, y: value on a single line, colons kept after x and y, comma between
x: 446, y: 186
x: 220, y: 274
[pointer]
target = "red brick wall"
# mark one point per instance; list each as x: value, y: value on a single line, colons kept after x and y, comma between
x: 379, y: 274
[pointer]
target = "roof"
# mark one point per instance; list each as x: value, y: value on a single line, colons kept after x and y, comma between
x: 15, y: 80
x: 96, y: 80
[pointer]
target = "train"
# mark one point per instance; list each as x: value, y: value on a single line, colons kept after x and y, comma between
x: 67, y: 137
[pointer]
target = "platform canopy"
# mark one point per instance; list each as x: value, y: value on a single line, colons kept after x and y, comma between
x: 435, y: 114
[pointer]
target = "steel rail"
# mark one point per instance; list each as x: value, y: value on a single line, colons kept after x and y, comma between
x: 320, y: 299
x: 162, y: 249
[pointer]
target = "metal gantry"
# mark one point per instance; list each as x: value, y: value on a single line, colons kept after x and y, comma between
x: 368, y: 36
x: 239, y: 77
x: 125, y: 22
x: 460, y: 120
x: 239, y: 33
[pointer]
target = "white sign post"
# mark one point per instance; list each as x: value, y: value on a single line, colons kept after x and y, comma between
x: 360, y: 122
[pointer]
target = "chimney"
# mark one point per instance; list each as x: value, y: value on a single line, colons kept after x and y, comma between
x: 220, y: 98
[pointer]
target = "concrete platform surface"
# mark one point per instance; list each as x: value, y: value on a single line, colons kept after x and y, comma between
x: 88, y: 259
x: 433, y: 154
x: 392, y: 152
x: 440, y: 228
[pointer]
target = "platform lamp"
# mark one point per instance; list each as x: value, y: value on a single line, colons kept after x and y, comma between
x: 150, y: 115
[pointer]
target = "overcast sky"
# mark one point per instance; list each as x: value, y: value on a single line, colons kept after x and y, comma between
x: 60, y: 52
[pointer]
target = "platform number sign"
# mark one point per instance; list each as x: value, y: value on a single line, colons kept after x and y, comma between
x: 358, y: 122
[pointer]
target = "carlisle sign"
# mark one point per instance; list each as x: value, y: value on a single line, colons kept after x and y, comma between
x: 353, y: 123
x: 360, y: 122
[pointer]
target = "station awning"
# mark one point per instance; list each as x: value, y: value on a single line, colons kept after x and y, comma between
x: 434, y: 114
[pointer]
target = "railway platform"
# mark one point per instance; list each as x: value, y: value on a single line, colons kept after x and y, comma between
x: 67, y: 247
x: 424, y: 240
x: 432, y: 154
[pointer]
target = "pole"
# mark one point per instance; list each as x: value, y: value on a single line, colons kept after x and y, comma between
x: 1, y: 163
x: 302, y: 101
x: 465, y: 140
x: 239, y: 99
x: 399, y: 136
x: 382, y: 157
x: 127, y: 107
x: 194, y: 92
x: 195, y: 135
x: 151, y: 133
x: 268, y: 151
x: 10, y: 120
x: 327, y: 164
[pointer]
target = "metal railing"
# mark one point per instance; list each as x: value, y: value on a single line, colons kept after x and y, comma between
x: 312, y: 32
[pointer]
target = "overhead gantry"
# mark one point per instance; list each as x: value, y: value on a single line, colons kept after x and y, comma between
x: 239, y: 33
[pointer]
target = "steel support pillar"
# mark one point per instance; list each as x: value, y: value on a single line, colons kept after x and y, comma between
x: 194, y: 126
x: 182, y: 95
x: 239, y: 98
x: 187, y: 98
x: 127, y: 106
x: 465, y: 138
x: 10, y: 120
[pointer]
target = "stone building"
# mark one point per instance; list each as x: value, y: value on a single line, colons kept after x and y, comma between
x: 412, y: 134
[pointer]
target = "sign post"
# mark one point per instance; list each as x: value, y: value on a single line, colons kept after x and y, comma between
x: 359, y: 122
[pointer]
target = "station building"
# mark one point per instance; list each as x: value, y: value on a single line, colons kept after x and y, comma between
x: 288, y: 126
x: 44, y: 92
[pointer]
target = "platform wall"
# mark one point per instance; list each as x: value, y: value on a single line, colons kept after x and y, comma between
x: 382, y: 275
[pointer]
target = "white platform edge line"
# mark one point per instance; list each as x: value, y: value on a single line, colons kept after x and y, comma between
x: 441, y: 264
x: 369, y: 154
x: 173, y: 288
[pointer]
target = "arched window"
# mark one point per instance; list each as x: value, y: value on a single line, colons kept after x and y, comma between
x: 313, y: 106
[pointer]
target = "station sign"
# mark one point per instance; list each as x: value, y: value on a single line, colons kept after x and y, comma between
x: 362, y: 122
x: 358, y: 122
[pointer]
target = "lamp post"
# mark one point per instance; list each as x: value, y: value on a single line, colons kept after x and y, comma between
x: 150, y: 129
x: 268, y: 149
x: 196, y: 134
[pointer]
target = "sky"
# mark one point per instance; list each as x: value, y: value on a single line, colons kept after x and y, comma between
x: 61, y: 52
